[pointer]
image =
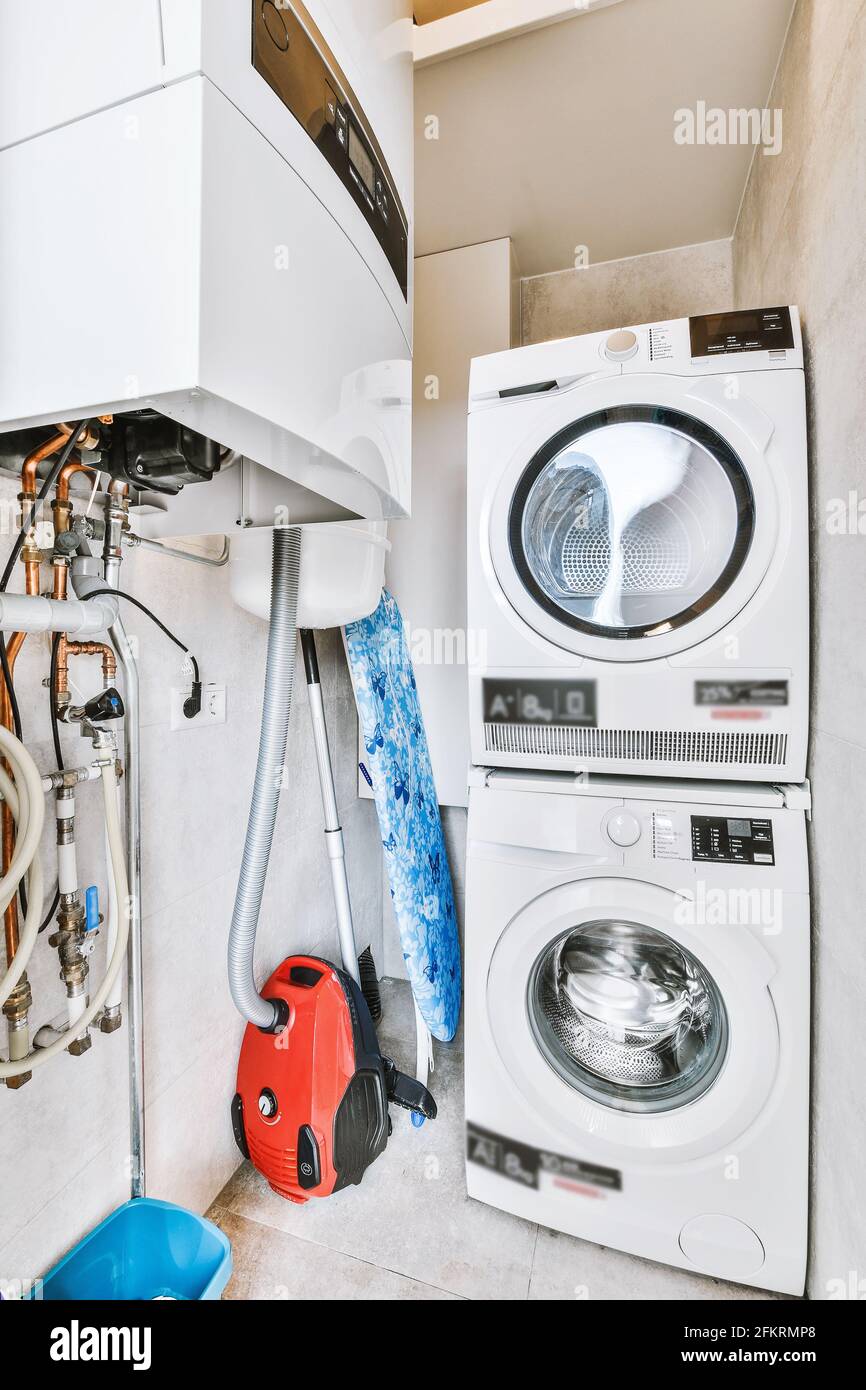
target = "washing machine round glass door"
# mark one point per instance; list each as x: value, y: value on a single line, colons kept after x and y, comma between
x: 631, y: 522
x: 617, y: 1017
x: 627, y: 1016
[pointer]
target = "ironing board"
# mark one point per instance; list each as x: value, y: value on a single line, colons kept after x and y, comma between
x: 397, y: 767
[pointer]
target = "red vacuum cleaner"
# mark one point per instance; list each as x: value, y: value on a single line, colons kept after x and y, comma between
x: 311, y: 1109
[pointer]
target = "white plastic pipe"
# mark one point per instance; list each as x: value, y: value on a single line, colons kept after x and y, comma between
x: 75, y: 1005
x: 67, y: 866
x: 118, y: 866
x: 116, y: 994
x: 29, y: 613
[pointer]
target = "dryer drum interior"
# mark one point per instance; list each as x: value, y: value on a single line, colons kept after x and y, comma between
x: 627, y: 1016
x: 631, y: 521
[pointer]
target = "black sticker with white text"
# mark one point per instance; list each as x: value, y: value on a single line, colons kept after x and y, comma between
x: 524, y: 1164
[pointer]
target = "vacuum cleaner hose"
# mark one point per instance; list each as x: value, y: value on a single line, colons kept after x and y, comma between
x: 276, y: 708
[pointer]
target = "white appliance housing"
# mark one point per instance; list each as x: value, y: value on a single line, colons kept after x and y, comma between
x: 639, y: 551
x: 212, y: 250
x: 594, y: 934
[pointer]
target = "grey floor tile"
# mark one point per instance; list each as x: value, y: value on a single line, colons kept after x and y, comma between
x: 411, y: 1213
x: 565, y: 1269
x: 411, y: 1222
x: 270, y: 1265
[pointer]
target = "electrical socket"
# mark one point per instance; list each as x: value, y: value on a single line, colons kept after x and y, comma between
x: 212, y: 712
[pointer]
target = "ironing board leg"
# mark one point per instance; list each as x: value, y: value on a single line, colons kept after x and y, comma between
x: 333, y: 829
x: 423, y: 1047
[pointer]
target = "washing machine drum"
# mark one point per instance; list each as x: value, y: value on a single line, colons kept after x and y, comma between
x: 631, y: 522
x: 627, y: 1016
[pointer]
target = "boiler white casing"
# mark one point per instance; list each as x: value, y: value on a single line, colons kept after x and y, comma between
x: 174, y: 239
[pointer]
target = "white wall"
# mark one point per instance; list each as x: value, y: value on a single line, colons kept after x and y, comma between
x: 800, y: 240
x: 466, y: 303
x: 63, y: 1137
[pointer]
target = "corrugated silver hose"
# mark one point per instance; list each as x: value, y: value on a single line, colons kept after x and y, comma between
x: 276, y: 708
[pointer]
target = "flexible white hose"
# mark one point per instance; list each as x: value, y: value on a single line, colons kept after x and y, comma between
x: 30, y: 813
x: 118, y: 866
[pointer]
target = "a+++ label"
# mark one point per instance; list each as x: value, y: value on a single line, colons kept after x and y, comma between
x: 531, y: 1167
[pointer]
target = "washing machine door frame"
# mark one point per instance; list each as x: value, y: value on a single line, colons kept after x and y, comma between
x: 742, y: 970
x: 746, y: 446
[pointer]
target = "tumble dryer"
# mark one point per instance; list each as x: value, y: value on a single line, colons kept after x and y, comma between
x: 638, y: 551
x: 637, y: 1044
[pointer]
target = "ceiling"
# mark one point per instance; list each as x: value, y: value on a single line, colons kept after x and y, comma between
x: 426, y: 11
x: 563, y: 137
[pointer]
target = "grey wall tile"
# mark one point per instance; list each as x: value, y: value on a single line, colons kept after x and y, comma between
x: 643, y: 289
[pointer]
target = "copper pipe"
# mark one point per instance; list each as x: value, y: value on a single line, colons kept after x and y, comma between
x: 61, y: 675
x: 61, y: 573
x: 109, y: 660
x: 29, y: 475
x: 67, y: 471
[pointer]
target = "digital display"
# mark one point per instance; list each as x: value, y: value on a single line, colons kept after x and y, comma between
x: 753, y: 330
x: 740, y: 828
x: 361, y: 161
x: 540, y: 702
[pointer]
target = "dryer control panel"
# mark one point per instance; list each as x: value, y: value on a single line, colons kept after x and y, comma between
x: 724, y: 840
x: 749, y: 330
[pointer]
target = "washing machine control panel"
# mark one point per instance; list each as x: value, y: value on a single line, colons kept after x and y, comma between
x: 726, y: 840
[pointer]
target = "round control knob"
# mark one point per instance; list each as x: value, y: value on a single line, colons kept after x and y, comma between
x: 268, y: 1106
x: 623, y: 828
x: 275, y: 25
x: 621, y: 345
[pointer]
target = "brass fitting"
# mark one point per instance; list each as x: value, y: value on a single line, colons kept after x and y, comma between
x: 61, y: 511
x: 79, y: 1046
x: 111, y: 1019
x: 74, y: 969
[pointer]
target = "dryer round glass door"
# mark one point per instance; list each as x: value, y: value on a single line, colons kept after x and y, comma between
x: 628, y: 1016
x: 631, y: 522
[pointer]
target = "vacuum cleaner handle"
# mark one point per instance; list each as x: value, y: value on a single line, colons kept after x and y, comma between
x: 405, y: 1091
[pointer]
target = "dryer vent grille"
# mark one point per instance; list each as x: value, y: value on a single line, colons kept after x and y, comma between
x: 637, y: 745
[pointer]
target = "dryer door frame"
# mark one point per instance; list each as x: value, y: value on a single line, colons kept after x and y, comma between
x: 739, y: 964
x: 745, y: 430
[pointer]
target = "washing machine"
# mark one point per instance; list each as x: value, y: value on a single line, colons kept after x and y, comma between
x: 638, y: 551
x: 637, y: 1016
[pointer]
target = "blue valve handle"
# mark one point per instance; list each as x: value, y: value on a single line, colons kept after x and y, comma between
x: 91, y: 908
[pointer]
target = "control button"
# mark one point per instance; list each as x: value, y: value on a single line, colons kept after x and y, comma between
x: 623, y: 829
x: 621, y: 345
x: 723, y: 1246
x: 309, y: 1164
x: 268, y: 1104
x: 275, y: 25
x: 330, y: 105
x: 342, y: 126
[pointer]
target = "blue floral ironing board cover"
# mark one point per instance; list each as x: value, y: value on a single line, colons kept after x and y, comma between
x: 399, y: 772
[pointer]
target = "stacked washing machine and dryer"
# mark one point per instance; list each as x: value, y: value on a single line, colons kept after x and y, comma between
x: 637, y: 938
